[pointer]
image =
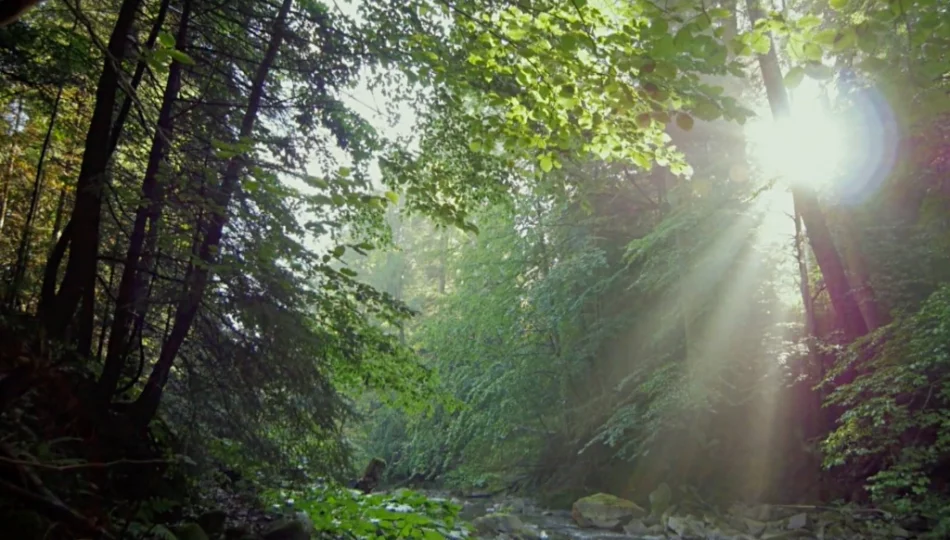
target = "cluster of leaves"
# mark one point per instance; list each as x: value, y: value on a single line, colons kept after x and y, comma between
x: 338, y: 512
x: 897, y: 417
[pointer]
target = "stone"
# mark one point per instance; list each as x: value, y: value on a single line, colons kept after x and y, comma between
x: 754, y: 527
x: 286, y: 530
x: 605, y: 511
x: 237, y: 533
x: 899, y: 532
x: 660, y: 499
x: 190, y: 531
x: 505, y: 526
x: 636, y: 527
x: 686, y: 526
x: 798, y: 521
x: 213, y: 522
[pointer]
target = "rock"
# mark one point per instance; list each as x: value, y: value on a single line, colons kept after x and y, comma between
x: 605, y: 511
x: 190, y: 531
x: 754, y: 527
x: 798, y: 521
x: 660, y: 499
x: 758, y: 512
x: 213, y: 522
x: 636, y: 527
x: 899, y: 532
x: 237, y: 533
x: 286, y: 530
x: 505, y: 526
x: 686, y: 526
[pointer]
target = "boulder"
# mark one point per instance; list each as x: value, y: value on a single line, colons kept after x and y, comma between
x: 237, y: 533
x: 504, y: 526
x: 660, y: 499
x: 213, y: 522
x: 605, y: 511
x: 190, y: 531
x: 287, y: 530
x: 637, y: 527
x: 686, y: 526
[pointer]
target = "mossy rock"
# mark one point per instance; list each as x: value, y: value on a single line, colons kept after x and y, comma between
x: 605, y: 511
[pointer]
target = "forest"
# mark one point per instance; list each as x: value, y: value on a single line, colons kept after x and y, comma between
x: 566, y: 269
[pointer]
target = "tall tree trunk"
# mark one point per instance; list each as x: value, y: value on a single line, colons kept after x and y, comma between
x: 11, y: 161
x: 137, y: 77
x: 79, y: 279
x: 23, y: 251
x: 849, y: 317
x: 130, y: 285
x: 862, y: 289
x: 146, y: 405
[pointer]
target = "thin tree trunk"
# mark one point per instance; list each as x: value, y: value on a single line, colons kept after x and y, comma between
x: 8, y: 176
x: 146, y: 405
x: 130, y: 285
x: 57, y: 221
x: 23, y: 251
x: 80, y: 278
x: 849, y: 317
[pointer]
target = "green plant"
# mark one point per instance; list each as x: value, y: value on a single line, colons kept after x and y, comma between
x: 338, y: 512
x: 897, y: 421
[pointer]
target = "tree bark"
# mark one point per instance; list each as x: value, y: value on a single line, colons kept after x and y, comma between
x: 131, y: 285
x: 146, y: 405
x: 79, y: 279
x: 23, y: 250
x: 862, y: 289
x: 850, y: 320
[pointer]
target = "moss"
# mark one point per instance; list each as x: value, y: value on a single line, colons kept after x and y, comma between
x: 607, y: 499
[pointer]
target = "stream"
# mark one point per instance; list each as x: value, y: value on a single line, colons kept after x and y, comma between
x: 518, y: 518
x: 555, y: 524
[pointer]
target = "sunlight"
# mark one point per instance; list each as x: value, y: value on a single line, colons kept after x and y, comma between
x: 807, y: 149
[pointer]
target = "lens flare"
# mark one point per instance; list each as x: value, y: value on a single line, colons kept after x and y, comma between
x: 807, y: 149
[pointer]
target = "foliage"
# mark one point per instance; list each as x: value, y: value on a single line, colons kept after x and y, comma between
x: 897, y: 414
x: 338, y: 512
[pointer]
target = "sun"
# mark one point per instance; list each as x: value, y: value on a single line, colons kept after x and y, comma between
x: 806, y: 149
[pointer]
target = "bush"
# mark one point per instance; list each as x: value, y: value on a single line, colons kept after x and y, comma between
x: 896, y: 424
x: 338, y: 512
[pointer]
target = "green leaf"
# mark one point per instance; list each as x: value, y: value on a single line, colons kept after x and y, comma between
x: 837, y: 5
x: 348, y: 272
x: 819, y: 71
x: 181, y: 57
x: 546, y: 162
x: 339, y: 251
x: 392, y: 196
x: 474, y: 146
x: 794, y: 77
x: 812, y: 52
x: 845, y: 40
x: 761, y: 43
x: 825, y: 37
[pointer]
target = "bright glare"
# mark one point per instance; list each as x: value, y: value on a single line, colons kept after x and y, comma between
x: 807, y: 149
